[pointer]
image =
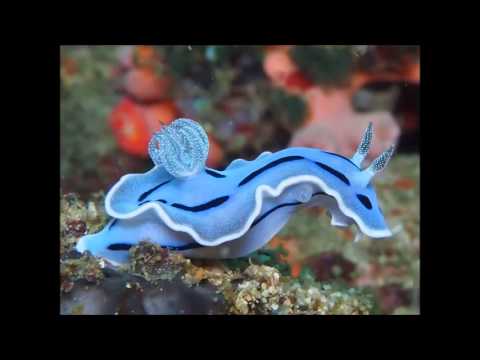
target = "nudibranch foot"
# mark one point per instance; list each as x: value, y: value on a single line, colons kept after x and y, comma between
x: 115, y: 240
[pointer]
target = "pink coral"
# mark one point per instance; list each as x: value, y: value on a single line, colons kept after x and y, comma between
x: 283, y: 72
x: 278, y: 65
x: 333, y: 125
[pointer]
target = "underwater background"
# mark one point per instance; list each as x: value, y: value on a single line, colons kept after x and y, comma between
x: 249, y: 99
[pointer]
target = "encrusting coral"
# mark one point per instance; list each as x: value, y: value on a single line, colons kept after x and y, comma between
x: 259, y: 289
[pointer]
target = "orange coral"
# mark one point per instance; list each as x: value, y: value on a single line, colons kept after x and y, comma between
x: 413, y: 73
x: 145, y: 84
x: 404, y: 184
x: 293, y: 256
x: 146, y: 56
x: 129, y: 128
x: 158, y: 114
x: 282, y: 70
x: 278, y: 65
x: 134, y: 124
x: 69, y: 66
x: 215, y: 152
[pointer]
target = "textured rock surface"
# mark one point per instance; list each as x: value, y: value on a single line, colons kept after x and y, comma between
x: 156, y: 281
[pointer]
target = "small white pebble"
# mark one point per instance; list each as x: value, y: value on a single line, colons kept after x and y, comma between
x: 91, y: 211
x: 398, y: 228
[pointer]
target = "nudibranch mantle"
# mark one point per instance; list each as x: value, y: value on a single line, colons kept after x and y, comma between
x: 231, y: 213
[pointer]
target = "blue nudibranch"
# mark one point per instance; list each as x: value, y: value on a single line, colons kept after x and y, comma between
x: 205, y: 213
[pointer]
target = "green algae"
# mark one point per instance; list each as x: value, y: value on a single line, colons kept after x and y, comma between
x: 77, y: 218
x: 333, y: 64
x: 86, y: 268
x: 268, y: 257
x: 87, y: 97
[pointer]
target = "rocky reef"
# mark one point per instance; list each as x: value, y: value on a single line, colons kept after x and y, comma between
x: 309, y: 268
x: 157, y: 281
